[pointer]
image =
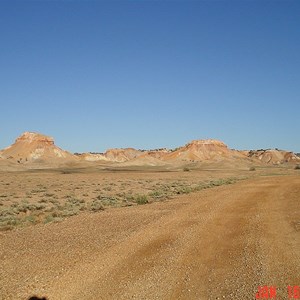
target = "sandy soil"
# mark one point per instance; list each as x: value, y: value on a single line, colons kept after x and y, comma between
x: 219, y: 243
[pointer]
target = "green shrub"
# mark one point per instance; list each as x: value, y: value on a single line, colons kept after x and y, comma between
x: 141, y: 199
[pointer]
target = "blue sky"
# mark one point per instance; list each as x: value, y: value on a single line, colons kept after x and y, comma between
x: 147, y: 74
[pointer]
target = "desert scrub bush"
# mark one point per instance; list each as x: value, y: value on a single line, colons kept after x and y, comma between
x: 156, y: 194
x: 108, y: 200
x: 24, y: 206
x: 96, y: 205
x: 8, y: 219
x: 200, y: 186
x: 71, y: 207
x: 70, y: 211
x: 120, y: 195
x: 252, y: 169
x: 215, y: 183
x: 297, y: 167
x: 221, y: 182
x: 52, y: 218
x: 75, y: 201
x: 229, y: 180
x: 141, y: 199
x: 184, y: 190
x: 4, y: 212
x: 166, y: 188
x: 128, y: 199
x: 186, y: 169
x: 53, y: 201
x: 175, y: 183
x: 30, y: 219
x: 49, y: 209
x: 43, y: 200
x: 39, y: 206
x: 48, y: 219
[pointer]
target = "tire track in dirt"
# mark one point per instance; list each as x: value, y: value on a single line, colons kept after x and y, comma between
x: 212, y: 248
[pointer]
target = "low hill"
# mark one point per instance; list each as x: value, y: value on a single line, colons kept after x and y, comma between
x: 35, y: 147
x: 274, y: 156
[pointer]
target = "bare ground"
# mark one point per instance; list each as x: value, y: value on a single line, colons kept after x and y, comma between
x: 220, y: 243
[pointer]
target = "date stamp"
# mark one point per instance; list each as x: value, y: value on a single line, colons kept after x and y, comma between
x: 294, y: 292
x: 269, y: 292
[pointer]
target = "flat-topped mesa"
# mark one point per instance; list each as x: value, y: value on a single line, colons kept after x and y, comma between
x: 207, y: 142
x: 207, y: 149
x: 203, y: 150
x: 30, y: 137
x: 31, y: 146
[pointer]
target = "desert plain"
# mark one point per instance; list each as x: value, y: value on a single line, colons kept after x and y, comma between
x: 190, y: 229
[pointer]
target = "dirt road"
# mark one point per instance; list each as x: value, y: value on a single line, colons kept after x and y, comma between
x: 220, y: 243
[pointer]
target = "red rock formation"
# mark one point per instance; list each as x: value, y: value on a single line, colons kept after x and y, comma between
x: 274, y: 156
x: 32, y: 146
x: 200, y: 150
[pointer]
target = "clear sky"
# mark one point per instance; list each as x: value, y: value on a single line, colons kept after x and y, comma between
x: 147, y: 74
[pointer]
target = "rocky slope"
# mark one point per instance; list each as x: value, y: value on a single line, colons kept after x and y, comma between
x: 274, y: 156
x: 35, y: 147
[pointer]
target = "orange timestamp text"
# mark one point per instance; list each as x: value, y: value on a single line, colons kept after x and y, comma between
x: 269, y: 292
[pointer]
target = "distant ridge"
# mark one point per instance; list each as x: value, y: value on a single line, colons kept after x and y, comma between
x: 32, y: 147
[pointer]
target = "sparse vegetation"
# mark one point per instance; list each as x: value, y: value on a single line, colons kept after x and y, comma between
x: 252, y: 169
x: 297, y: 167
x: 157, y: 194
x: 141, y: 199
x: 96, y: 205
x: 186, y: 169
x: 45, y: 199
